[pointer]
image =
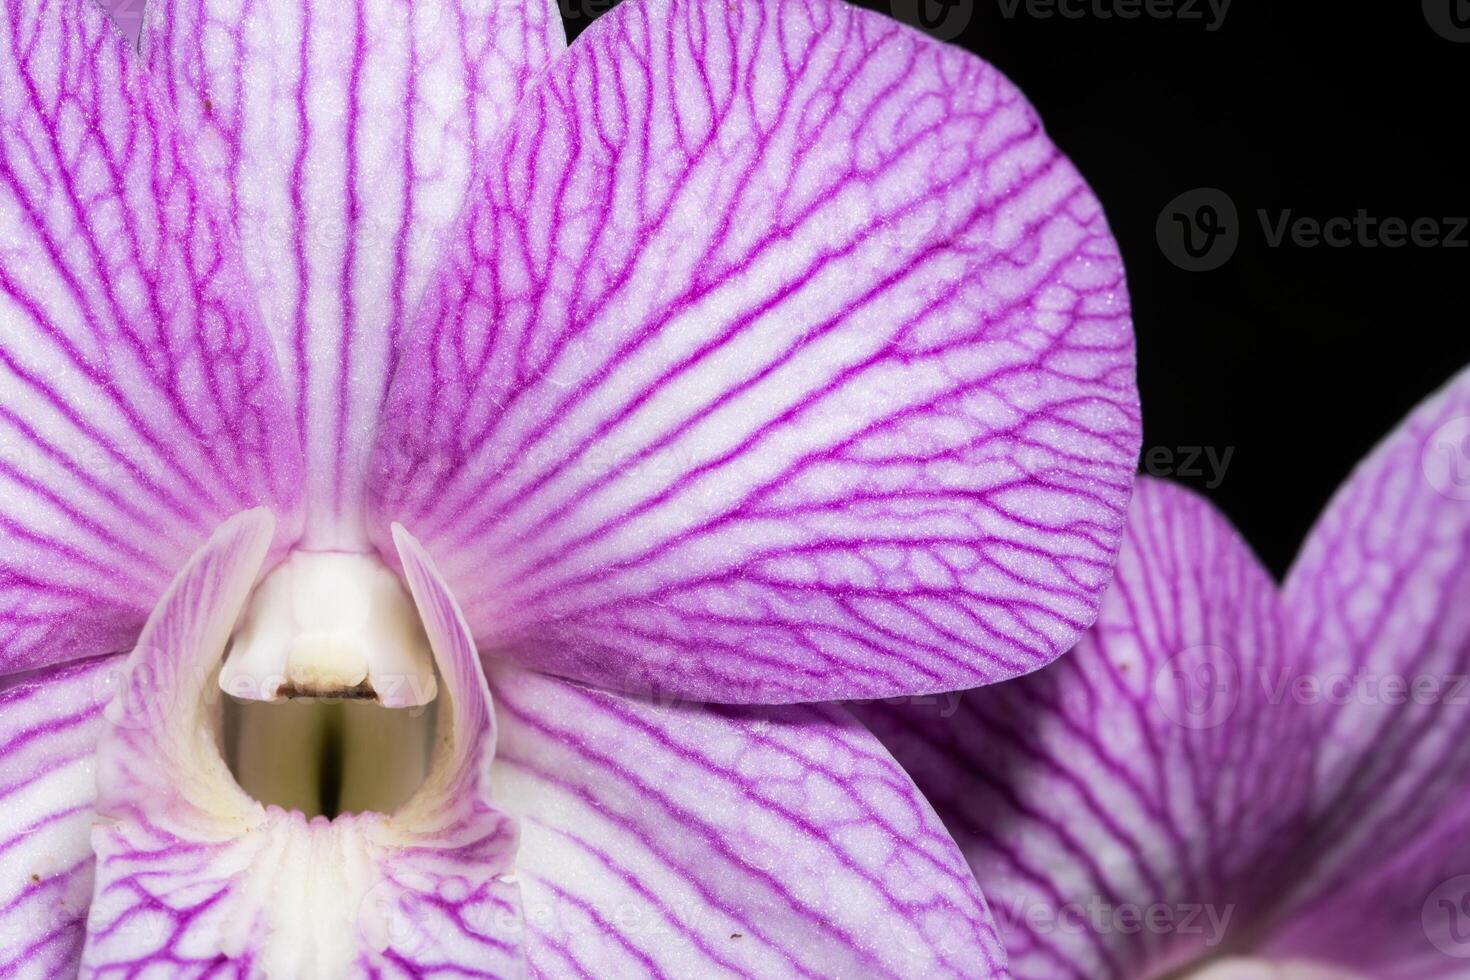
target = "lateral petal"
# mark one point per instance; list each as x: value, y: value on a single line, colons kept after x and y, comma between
x: 782, y: 357
x: 139, y: 402
x: 345, y: 133
x: 685, y: 840
x: 1132, y: 807
x: 1379, y: 603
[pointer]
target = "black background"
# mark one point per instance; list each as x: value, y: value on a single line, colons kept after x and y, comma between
x: 1301, y: 359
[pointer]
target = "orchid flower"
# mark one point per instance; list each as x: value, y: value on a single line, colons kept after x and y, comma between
x: 1231, y: 781
x: 420, y: 440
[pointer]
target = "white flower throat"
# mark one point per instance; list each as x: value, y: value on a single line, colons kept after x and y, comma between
x: 331, y: 686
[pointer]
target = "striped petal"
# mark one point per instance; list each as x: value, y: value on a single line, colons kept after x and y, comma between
x: 139, y: 404
x: 782, y: 357
x: 1129, y: 809
x: 49, y: 725
x: 724, y: 842
x: 345, y: 132
x: 194, y: 877
x: 1379, y: 602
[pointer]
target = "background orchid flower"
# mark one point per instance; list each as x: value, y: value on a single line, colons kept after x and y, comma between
x: 1230, y: 781
x: 777, y: 355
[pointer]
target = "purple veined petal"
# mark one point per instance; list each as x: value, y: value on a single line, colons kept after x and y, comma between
x: 685, y: 840
x: 139, y: 402
x: 783, y: 358
x: 1379, y: 602
x: 345, y: 133
x: 49, y: 726
x: 193, y: 875
x: 1128, y: 808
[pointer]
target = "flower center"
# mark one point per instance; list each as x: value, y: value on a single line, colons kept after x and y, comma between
x: 327, y: 757
x: 331, y: 688
x: 329, y: 624
x: 191, y: 870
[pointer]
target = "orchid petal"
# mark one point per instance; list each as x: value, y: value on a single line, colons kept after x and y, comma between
x: 139, y: 404
x: 346, y: 133
x: 192, y: 873
x: 783, y: 357
x: 49, y: 725
x: 1379, y: 602
x: 681, y: 840
x: 1138, y: 772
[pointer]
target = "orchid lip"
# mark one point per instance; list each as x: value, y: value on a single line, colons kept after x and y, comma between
x: 295, y: 894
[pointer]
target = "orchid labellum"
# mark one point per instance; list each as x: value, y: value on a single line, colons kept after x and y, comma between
x: 1227, y: 781
x: 419, y: 441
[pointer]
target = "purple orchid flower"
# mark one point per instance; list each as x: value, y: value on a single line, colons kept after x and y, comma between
x: 775, y: 356
x: 1231, y: 781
